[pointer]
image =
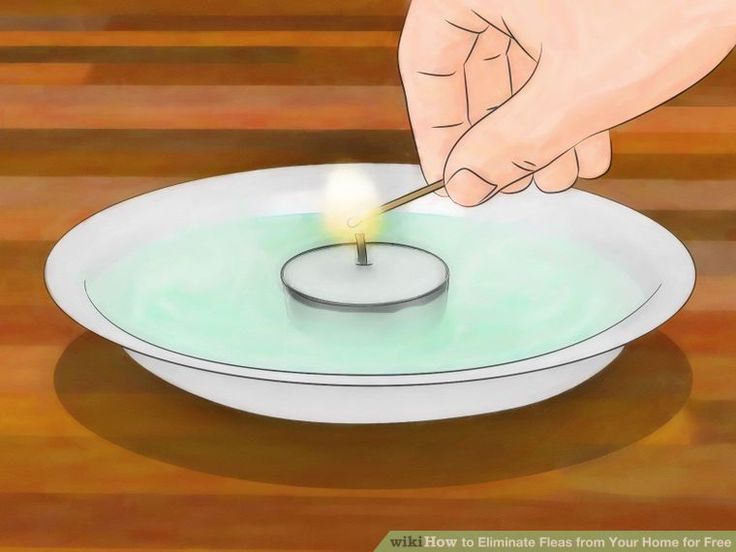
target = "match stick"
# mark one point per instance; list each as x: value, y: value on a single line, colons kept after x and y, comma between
x: 401, y: 200
x: 411, y: 196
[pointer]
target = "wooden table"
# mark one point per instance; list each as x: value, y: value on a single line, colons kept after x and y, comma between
x: 101, y: 100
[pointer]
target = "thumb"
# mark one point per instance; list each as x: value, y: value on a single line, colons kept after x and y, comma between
x: 528, y: 132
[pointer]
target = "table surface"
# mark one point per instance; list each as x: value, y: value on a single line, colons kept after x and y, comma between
x: 101, y: 100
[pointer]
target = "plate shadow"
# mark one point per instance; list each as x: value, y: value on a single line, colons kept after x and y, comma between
x: 104, y: 390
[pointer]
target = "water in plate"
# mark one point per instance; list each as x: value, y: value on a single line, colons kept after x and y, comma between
x: 214, y: 292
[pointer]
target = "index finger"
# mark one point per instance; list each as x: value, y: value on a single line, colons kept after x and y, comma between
x: 437, y: 39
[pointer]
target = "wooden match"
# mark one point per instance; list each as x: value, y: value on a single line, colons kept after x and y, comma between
x: 411, y: 196
x: 401, y: 200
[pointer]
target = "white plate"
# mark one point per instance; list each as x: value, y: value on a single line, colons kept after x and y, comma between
x: 653, y: 257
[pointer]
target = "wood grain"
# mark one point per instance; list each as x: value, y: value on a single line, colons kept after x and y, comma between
x: 343, y: 39
x: 211, y: 8
x: 678, y: 130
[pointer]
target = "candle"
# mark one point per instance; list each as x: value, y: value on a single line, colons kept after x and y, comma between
x: 336, y: 274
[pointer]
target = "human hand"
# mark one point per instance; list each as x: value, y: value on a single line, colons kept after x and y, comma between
x: 499, y: 91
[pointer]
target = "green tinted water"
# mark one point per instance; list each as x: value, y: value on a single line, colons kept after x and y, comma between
x: 215, y: 293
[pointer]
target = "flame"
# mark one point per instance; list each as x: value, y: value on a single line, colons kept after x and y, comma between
x: 349, y: 204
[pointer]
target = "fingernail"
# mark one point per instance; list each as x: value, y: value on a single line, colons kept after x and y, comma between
x: 468, y: 188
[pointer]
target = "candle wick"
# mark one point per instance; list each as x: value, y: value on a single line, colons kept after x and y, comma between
x: 362, y: 250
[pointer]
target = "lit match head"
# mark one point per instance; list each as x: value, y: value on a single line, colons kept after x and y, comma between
x: 350, y: 201
x: 354, y: 222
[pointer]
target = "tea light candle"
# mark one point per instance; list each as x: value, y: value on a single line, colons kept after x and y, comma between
x: 364, y: 275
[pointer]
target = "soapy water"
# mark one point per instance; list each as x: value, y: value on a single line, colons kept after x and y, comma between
x: 215, y: 293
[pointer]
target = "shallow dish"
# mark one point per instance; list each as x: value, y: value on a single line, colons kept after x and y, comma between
x: 651, y: 259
